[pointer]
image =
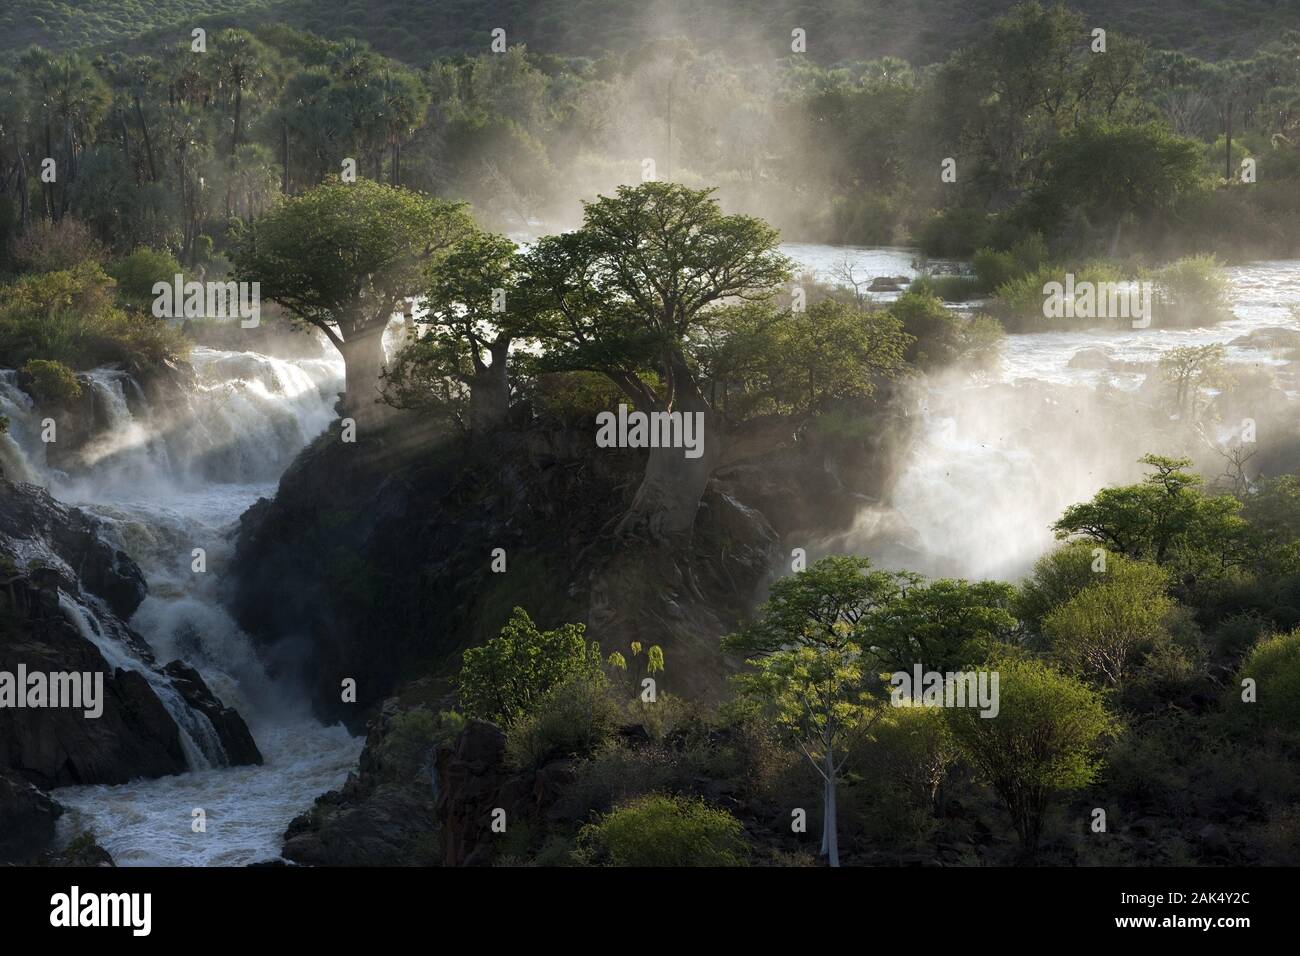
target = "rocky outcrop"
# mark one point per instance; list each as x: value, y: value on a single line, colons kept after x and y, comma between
x: 27, y: 818
x: 236, y: 740
x: 37, y: 530
x: 379, y: 557
x: 64, y: 594
x: 470, y: 788
x: 382, y: 816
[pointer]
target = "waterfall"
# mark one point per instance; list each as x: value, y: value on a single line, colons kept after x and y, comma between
x: 199, y: 738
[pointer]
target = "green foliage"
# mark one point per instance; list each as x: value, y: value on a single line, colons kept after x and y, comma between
x: 343, y: 256
x: 407, y: 748
x: 508, y: 676
x: 573, y: 719
x: 660, y: 830
x: 900, y: 770
x: 1274, y: 665
x: 756, y: 360
x: 51, y: 382
x: 1166, y: 519
x: 819, y: 607
x: 136, y: 274
x: 1060, y: 575
x: 1192, y: 291
x: 1101, y: 630
x: 938, y: 333
x: 1045, y: 739
x: 69, y: 317
x: 943, y: 624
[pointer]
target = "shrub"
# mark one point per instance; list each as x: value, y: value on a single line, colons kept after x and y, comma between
x: 1274, y: 665
x: 660, y: 830
x: 935, y: 330
x: 56, y: 246
x: 412, y: 736
x: 572, y: 720
x: 993, y: 268
x: 51, y: 382
x: 69, y: 317
x: 1045, y: 739
x: 506, y: 677
x: 136, y: 274
x: 1192, y: 291
x: 1102, y: 629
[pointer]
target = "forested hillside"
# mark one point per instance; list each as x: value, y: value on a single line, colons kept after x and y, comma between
x: 414, y: 30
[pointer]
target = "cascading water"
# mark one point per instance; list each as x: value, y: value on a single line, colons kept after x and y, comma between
x: 166, y: 481
x: 994, y: 461
x: 996, y: 458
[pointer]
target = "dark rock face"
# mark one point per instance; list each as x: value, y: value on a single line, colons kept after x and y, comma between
x: 47, y: 548
x: 134, y: 737
x: 382, y: 816
x: 470, y: 775
x: 376, y: 560
x: 39, y: 530
x: 27, y: 818
x: 238, y: 743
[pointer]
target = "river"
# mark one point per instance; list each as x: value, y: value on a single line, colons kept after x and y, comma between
x: 996, y: 458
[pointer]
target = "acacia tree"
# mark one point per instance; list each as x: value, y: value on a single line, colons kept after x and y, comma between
x: 344, y: 257
x: 1044, y: 740
x: 648, y: 269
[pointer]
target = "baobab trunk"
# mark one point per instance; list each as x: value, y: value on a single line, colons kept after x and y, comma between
x: 668, y: 497
x: 489, y: 396
x: 363, y: 359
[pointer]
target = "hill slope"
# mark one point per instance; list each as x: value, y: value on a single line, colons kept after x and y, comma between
x: 415, y: 30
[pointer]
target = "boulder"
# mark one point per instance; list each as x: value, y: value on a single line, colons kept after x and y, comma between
x: 27, y: 817
x: 236, y: 740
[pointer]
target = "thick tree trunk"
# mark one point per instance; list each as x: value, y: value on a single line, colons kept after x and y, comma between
x: 489, y: 396
x: 363, y: 358
x: 669, y: 495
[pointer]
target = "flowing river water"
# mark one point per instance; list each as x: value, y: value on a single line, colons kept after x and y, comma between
x: 995, y: 460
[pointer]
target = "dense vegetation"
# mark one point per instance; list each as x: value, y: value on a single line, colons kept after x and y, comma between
x: 1147, y: 671
x: 1134, y: 151
x: 412, y: 30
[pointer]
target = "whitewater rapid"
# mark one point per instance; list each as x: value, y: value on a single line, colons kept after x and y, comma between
x: 994, y: 459
x: 166, y: 482
x: 996, y: 456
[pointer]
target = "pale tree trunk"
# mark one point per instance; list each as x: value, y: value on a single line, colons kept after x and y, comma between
x: 832, y: 831
x: 669, y: 495
x: 826, y: 820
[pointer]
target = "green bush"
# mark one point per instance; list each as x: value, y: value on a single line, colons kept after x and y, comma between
x: 136, y: 274
x: 70, y: 317
x: 573, y: 719
x: 51, y: 382
x: 412, y: 736
x: 1192, y: 291
x: 1274, y: 665
x: 507, y: 677
x: 660, y: 830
